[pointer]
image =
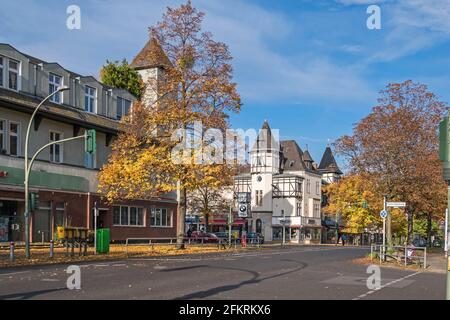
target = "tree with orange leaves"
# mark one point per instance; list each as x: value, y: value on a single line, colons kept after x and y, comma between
x: 396, y: 148
x: 160, y: 148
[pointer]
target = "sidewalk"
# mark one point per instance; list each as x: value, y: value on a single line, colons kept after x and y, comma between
x: 437, y: 263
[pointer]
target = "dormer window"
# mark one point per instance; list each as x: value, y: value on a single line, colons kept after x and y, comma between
x: 54, y: 82
x: 90, y: 97
x: 1, y: 71
x: 9, y: 73
x: 13, y: 75
x: 123, y: 107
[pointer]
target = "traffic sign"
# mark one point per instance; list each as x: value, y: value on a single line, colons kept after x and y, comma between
x: 383, y: 214
x: 396, y: 204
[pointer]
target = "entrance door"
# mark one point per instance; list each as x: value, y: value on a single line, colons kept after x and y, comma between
x: 258, y: 226
x: 11, y: 221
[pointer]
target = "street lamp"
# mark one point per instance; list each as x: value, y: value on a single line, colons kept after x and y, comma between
x: 27, y: 204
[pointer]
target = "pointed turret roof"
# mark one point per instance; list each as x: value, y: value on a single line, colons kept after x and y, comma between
x: 265, y: 140
x: 328, y: 163
x: 151, y: 56
x: 307, y: 156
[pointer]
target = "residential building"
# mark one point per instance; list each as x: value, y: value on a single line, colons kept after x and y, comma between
x: 64, y: 176
x: 283, y: 189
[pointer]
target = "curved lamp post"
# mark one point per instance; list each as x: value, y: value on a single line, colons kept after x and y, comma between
x: 27, y: 204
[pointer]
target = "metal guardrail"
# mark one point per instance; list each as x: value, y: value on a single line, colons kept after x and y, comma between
x: 402, y: 254
x: 222, y: 243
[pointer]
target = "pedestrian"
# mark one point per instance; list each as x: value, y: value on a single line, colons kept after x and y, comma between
x: 344, y: 237
x: 189, y: 232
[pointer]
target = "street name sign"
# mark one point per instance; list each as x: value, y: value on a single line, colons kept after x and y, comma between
x: 396, y: 204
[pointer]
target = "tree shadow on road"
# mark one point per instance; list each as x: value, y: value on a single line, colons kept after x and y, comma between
x: 29, y: 295
x: 253, y: 280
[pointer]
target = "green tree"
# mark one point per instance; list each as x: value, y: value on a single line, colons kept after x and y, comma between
x: 121, y: 75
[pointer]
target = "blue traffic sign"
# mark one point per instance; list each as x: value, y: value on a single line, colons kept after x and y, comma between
x: 383, y: 214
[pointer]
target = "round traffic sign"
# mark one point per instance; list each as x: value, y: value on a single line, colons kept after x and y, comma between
x: 383, y: 214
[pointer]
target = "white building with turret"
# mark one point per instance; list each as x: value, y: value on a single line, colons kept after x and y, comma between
x: 283, y: 189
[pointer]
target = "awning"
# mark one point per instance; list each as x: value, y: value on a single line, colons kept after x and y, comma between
x: 223, y: 222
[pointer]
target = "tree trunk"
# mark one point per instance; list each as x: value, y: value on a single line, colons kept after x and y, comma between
x: 181, y: 219
x: 206, y: 221
x: 410, y: 228
x: 389, y: 230
x: 429, y: 229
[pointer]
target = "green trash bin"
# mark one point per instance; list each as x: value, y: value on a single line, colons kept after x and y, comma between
x: 103, y: 239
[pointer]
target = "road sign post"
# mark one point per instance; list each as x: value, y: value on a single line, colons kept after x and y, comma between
x: 444, y: 156
x: 383, y: 215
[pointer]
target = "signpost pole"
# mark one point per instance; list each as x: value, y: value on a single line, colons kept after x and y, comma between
x: 230, y: 222
x: 384, y: 230
x: 95, y: 227
x: 446, y: 231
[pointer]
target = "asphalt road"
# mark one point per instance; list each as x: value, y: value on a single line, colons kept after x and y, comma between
x: 291, y: 273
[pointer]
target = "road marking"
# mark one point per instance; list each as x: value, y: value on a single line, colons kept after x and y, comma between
x: 50, y: 280
x: 13, y: 273
x: 387, y: 285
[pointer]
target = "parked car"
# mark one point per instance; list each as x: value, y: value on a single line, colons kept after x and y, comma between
x: 254, y: 236
x: 204, y: 237
x: 221, y: 235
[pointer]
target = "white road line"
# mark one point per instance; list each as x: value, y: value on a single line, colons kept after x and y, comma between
x: 13, y: 273
x: 387, y: 285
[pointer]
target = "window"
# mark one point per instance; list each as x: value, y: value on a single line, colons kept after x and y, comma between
x: 299, y: 209
x: 54, y: 82
x: 161, y: 218
x: 59, y: 215
x: 316, y: 209
x: 317, y: 188
x: 1, y: 71
x: 2, y: 135
x: 90, y: 99
x: 55, y: 149
x: 123, y: 107
x: 13, y: 74
x: 308, y: 186
x: 128, y: 216
x: 14, y: 138
x: 305, y: 213
x: 259, y: 198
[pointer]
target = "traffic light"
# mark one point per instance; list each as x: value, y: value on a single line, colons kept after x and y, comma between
x: 90, y: 141
x: 34, y: 201
x: 444, y: 139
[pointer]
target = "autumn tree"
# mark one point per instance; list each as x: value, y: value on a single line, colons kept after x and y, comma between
x: 173, y: 139
x: 396, y: 148
x: 121, y: 75
x: 346, y: 198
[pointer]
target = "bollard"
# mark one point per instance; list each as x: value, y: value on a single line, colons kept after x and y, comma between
x: 51, y: 248
x: 406, y: 255
x: 11, y: 251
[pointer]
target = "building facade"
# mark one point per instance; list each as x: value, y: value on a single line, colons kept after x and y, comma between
x: 64, y: 177
x: 283, y: 189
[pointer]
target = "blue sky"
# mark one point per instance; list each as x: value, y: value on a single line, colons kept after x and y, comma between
x: 310, y: 67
